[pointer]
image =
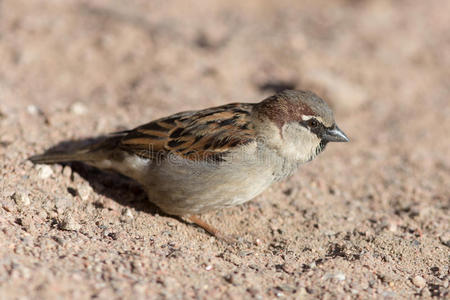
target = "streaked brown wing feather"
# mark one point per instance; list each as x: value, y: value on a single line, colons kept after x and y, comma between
x: 196, y: 135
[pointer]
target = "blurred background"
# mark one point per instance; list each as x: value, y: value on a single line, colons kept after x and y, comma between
x: 142, y: 57
x: 78, y: 68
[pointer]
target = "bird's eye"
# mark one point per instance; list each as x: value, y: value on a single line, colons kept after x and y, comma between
x: 313, y: 123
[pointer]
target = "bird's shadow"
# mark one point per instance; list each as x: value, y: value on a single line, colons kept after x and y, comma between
x: 123, y: 190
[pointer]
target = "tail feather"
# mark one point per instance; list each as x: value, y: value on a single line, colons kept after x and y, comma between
x: 95, y: 149
x: 58, y: 157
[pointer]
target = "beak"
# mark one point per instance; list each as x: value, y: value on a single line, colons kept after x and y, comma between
x: 334, y: 134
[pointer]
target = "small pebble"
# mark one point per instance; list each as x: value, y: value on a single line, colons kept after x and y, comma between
x: 26, y: 223
x: 84, y: 191
x: 127, y: 213
x: 42, y: 214
x: 21, y: 199
x: 78, y: 108
x: 32, y: 110
x: 171, y: 224
x: 59, y: 240
x: 392, y: 227
x: 279, y: 294
x: 6, y: 207
x: 288, y: 268
x: 286, y: 288
x: 230, y: 278
x: 419, y: 281
x: 68, y: 223
x: 114, y: 235
x: 67, y: 171
x: 208, y: 268
x: 445, y: 239
x: 389, y: 294
x: 44, y: 171
x: 340, y: 276
x: 62, y: 204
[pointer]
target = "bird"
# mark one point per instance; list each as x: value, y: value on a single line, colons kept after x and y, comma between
x: 193, y: 162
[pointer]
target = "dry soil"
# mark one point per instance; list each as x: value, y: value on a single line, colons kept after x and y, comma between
x: 366, y: 219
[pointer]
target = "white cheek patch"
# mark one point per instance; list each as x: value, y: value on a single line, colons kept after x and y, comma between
x: 299, y: 143
x: 294, y: 142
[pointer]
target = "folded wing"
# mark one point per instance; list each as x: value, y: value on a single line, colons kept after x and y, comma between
x: 196, y: 135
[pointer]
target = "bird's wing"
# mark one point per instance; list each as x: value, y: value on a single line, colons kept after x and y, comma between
x: 205, y: 135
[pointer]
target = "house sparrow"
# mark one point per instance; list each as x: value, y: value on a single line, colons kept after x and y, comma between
x: 196, y: 161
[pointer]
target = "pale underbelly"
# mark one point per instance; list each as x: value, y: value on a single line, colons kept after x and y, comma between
x: 186, y: 187
x: 191, y: 191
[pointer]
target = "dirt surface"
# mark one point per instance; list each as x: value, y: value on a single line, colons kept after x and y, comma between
x: 365, y: 219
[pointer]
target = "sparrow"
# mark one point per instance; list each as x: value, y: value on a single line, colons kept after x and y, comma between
x: 197, y: 161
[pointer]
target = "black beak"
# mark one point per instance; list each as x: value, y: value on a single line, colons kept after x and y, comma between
x: 334, y: 134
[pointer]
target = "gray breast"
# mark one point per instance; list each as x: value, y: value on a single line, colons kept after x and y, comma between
x: 179, y: 186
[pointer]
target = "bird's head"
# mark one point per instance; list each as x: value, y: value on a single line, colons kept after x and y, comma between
x: 298, y: 124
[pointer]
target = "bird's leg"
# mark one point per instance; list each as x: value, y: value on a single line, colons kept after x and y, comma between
x: 211, y: 230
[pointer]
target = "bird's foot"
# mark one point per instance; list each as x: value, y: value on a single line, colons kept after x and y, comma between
x: 212, y: 230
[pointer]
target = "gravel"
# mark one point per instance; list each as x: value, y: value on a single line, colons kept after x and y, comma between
x: 367, y: 219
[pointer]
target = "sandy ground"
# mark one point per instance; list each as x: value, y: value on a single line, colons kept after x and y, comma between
x: 365, y: 219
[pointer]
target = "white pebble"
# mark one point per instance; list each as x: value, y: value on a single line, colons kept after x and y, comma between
x: 340, y: 276
x: 419, y: 281
x: 127, y: 213
x: 21, y: 198
x: 44, y: 171
x: 69, y: 224
x: 78, y: 108
x: 67, y: 171
x: 84, y: 191
x: 32, y: 109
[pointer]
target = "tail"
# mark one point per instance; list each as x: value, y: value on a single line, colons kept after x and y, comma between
x: 58, y: 157
x: 95, y: 149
